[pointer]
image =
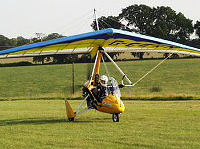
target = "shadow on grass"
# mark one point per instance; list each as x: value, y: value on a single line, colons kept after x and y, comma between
x: 41, y: 98
x: 34, y: 121
x: 17, y: 64
x: 37, y: 121
x: 178, y: 98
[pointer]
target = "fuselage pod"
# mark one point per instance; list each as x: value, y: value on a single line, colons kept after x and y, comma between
x: 111, y: 104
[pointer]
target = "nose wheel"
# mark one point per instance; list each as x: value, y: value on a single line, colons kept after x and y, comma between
x: 115, y: 117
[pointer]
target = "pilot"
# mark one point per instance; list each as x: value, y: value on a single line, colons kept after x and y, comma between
x: 103, y: 88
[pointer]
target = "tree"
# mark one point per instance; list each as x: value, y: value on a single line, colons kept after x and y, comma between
x: 21, y: 41
x: 138, y: 18
x: 194, y: 43
x: 5, y: 42
x: 38, y: 59
x: 52, y: 36
x: 163, y: 26
x: 65, y: 58
x: 197, y: 28
x: 107, y: 22
x: 184, y: 28
x: 41, y: 37
x: 140, y: 55
x: 162, y: 22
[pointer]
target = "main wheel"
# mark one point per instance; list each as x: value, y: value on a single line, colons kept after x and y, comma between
x: 71, y: 119
x: 115, y: 117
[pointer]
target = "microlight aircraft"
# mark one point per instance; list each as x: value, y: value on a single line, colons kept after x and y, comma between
x: 99, y: 44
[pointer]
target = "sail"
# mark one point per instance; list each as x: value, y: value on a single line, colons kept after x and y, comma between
x: 111, y: 40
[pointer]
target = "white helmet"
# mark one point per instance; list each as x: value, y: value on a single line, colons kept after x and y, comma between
x: 104, y: 80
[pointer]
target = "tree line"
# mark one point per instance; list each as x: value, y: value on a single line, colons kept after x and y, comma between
x: 6, y: 43
x: 161, y: 22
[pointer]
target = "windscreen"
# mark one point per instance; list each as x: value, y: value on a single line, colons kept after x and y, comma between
x: 115, y: 87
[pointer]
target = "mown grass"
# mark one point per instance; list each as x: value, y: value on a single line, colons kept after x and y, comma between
x: 145, y: 124
x: 174, y: 79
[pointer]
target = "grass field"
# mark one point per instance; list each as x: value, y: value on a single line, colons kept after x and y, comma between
x: 175, y: 79
x: 145, y: 124
x: 42, y: 124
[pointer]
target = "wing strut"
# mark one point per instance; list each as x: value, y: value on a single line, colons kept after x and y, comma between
x: 123, y: 74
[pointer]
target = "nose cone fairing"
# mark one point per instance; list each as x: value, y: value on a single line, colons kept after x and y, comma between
x: 111, y: 104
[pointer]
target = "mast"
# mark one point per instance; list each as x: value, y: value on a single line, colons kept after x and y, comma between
x: 97, y: 63
x: 95, y: 17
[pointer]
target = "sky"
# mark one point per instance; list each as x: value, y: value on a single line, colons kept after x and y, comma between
x: 70, y: 17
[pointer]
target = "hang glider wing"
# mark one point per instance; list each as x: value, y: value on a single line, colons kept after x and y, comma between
x: 112, y: 40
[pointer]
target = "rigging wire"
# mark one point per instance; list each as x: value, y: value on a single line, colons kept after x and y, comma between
x: 110, y: 26
x: 74, y: 22
x: 101, y: 24
x: 104, y: 23
x: 80, y: 25
x: 152, y: 69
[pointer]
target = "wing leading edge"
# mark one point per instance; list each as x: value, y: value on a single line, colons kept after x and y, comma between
x: 112, y: 40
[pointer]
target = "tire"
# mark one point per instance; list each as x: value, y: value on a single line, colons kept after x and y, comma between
x: 71, y: 119
x: 115, y: 117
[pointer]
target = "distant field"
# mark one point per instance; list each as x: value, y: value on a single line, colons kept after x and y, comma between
x: 175, y: 79
x: 15, y: 60
x: 42, y: 124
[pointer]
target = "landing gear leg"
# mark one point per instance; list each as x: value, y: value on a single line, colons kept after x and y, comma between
x: 115, y: 117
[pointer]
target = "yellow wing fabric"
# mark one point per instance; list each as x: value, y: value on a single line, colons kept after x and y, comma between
x: 111, y: 40
x: 83, y: 46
